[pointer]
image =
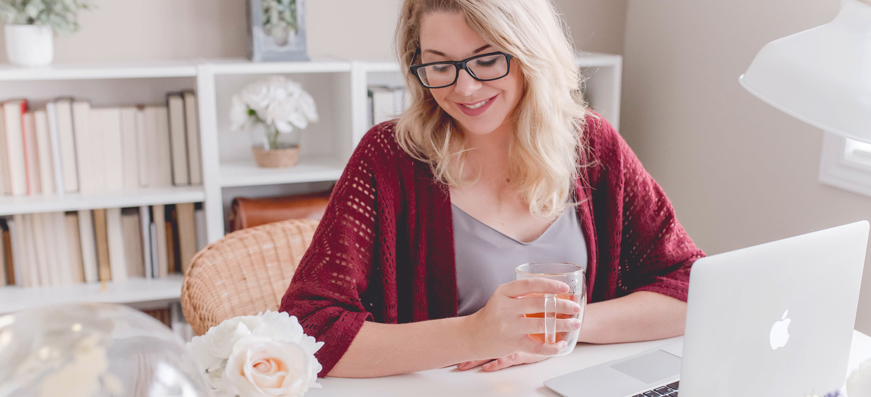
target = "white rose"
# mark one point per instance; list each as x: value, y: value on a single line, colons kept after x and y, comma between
x: 284, y: 115
x: 258, y: 95
x: 307, y: 105
x: 281, y: 327
x: 264, y: 367
x: 238, y: 114
x: 859, y: 382
x: 211, y: 350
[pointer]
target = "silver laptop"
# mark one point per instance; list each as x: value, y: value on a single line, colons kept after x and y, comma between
x: 771, y: 320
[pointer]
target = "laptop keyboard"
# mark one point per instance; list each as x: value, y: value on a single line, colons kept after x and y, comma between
x: 669, y: 390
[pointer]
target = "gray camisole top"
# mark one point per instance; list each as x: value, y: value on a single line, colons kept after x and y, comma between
x: 486, y: 258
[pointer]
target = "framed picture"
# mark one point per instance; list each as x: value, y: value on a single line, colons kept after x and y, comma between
x: 276, y: 30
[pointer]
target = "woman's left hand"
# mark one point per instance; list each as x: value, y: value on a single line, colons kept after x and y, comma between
x: 502, y: 363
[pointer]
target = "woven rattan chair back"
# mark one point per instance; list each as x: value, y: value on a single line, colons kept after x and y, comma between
x: 244, y: 273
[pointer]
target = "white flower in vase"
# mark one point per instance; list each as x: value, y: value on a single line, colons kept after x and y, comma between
x: 263, y: 355
x: 277, y: 104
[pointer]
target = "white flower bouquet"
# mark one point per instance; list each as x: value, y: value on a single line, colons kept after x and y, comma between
x: 263, y: 355
x: 279, y: 104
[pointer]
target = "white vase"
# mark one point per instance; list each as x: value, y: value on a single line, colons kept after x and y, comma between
x: 29, y: 45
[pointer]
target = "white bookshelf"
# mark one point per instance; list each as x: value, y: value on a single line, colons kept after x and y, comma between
x: 130, y: 291
x: 339, y: 88
x: 12, y: 205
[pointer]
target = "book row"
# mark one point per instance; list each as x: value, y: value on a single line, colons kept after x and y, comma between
x: 67, y: 146
x: 62, y: 248
x: 386, y: 103
x: 173, y: 317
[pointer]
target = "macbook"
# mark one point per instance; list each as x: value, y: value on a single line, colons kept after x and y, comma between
x: 771, y: 320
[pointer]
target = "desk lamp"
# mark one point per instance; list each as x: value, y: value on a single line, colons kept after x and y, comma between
x: 821, y: 76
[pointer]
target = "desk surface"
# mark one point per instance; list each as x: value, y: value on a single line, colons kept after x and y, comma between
x: 525, y: 380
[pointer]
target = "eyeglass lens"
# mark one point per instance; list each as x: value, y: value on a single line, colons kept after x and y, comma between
x: 484, y: 68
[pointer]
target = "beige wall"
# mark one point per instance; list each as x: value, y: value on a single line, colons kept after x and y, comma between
x: 738, y: 171
x: 144, y: 30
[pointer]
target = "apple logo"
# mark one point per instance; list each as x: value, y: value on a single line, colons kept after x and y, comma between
x: 779, y: 332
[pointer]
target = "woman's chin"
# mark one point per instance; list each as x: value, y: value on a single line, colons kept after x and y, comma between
x: 478, y: 128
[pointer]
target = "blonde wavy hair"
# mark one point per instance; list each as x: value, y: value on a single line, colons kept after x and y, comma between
x: 548, y: 121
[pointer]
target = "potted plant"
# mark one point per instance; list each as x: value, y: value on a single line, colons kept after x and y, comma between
x: 273, y: 111
x: 30, y: 24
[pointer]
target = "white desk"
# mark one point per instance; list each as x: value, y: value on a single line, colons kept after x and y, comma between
x: 525, y: 380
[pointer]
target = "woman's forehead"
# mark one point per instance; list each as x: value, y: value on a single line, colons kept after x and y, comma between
x: 447, y: 34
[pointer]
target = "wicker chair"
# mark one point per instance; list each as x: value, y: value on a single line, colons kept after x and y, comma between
x: 244, y: 273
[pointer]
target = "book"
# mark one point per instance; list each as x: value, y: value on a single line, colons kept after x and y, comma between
x: 130, y: 151
x: 142, y: 142
x: 3, y: 268
x: 13, y: 110
x: 6, y: 236
x: 178, y: 139
x: 54, y: 139
x: 31, y: 155
x: 132, y: 242
x: 101, y: 237
x: 6, y: 253
x: 61, y: 244
x: 192, y: 127
x: 152, y: 229
x: 172, y: 250
x: 85, y: 153
x: 145, y: 225
x: 187, y: 234
x: 67, y: 138
x: 95, y: 178
x: 89, y: 246
x: 29, y: 261
x: 18, y: 251
x: 49, y: 274
x: 382, y: 104
x: 74, y: 247
x: 112, y: 148
x: 158, y: 151
x: 115, y: 243
x: 159, y: 219
x: 5, y: 187
x: 200, y: 217
x: 46, y: 158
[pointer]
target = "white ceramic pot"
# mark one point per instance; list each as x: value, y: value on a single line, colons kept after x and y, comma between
x: 29, y: 45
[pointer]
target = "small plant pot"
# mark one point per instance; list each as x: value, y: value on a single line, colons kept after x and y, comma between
x: 277, y: 158
x: 29, y: 45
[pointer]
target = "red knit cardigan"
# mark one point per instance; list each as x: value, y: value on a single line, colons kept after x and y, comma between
x: 384, y: 250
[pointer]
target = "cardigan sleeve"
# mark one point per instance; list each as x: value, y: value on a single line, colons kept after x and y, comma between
x: 325, y: 293
x: 655, y: 253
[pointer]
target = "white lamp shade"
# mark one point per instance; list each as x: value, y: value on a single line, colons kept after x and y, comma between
x: 821, y: 76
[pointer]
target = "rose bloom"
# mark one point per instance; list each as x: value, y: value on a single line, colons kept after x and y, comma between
x: 859, y: 382
x: 264, y: 367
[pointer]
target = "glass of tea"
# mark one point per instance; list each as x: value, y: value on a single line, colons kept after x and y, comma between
x: 569, y: 273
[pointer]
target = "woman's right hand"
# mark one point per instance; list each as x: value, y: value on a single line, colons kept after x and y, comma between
x: 501, y: 328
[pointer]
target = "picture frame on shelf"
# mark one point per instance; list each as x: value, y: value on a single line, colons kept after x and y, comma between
x: 276, y: 30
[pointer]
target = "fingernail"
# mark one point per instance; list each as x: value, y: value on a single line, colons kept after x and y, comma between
x: 576, y: 324
x: 577, y: 308
x: 564, y: 288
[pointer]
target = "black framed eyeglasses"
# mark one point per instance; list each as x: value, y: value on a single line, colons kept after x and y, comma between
x: 485, y: 67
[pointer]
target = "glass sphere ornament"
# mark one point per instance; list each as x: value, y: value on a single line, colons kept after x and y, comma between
x: 94, y: 349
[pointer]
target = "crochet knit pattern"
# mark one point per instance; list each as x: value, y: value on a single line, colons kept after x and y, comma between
x: 384, y: 250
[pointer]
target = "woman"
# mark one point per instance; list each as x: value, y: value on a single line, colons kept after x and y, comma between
x: 496, y: 141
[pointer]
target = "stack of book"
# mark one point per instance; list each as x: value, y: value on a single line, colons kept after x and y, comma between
x: 173, y: 318
x: 67, y: 146
x: 54, y: 249
x: 386, y: 103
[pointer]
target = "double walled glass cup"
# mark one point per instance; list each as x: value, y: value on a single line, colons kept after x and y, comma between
x: 569, y: 273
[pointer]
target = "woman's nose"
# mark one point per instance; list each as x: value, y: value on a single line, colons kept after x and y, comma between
x: 466, y: 85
